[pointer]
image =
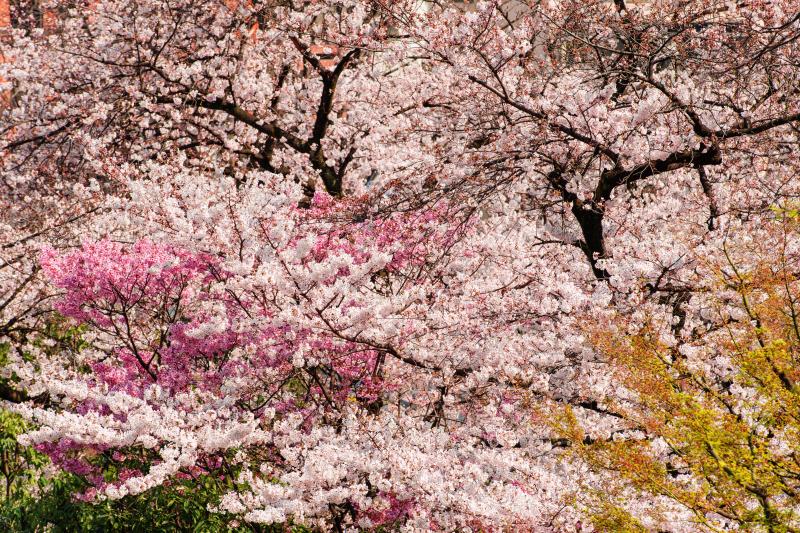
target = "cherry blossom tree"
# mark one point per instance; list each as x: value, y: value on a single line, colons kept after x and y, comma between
x: 711, y: 416
x: 353, y: 259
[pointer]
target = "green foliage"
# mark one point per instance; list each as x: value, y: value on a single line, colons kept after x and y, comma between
x: 179, y: 507
x: 610, y: 518
x: 18, y: 464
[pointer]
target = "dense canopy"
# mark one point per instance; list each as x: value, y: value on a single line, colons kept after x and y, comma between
x: 406, y: 265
